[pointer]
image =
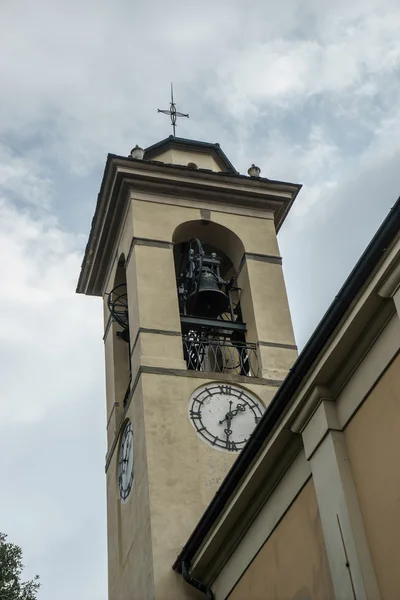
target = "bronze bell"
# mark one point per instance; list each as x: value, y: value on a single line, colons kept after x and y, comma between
x: 209, y: 301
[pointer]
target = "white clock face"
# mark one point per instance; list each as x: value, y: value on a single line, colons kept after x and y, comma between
x: 224, y: 415
x: 125, y: 463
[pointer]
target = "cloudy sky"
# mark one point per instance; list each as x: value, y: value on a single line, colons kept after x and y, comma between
x: 308, y: 90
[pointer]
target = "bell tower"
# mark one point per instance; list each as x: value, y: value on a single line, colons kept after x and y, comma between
x: 197, y: 337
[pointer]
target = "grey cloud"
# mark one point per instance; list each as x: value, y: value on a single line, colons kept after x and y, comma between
x: 310, y: 93
x: 320, y: 252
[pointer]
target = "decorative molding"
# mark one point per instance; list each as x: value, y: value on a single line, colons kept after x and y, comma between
x: 154, y: 243
x: 241, y: 265
x: 323, y: 420
x: 269, y: 258
x: 130, y: 251
x: 114, y: 444
x: 117, y: 241
x: 391, y: 283
x: 115, y: 407
x: 205, y: 214
x: 209, y: 375
x: 160, y: 331
x: 155, y: 332
x: 317, y: 394
x: 278, y: 345
x: 189, y: 202
x: 133, y: 347
x: 396, y: 300
x: 145, y: 242
x: 133, y: 389
x: 108, y: 327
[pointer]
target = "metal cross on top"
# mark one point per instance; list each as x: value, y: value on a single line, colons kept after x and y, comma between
x: 172, y: 111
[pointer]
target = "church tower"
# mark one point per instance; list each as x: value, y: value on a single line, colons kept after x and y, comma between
x: 197, y: 337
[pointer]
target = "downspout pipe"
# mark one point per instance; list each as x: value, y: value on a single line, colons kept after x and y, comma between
x: 199, y: 585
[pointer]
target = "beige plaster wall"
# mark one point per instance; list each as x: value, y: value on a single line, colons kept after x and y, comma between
x: 182, y: 157
x: 270, y: 304
x: 158, y: 350
x: 184, y: 471
x: 133, y: 298
x: 277, y: 361
x: 176, y: 476
x: 264, y: 297
x: 124, y: 243
x: 373, y: 442
x: 176, y: 472
x: 156, y: 288
x: 116, y: 351
x: 117, y: 379
x: 257, y: 235
x: 293, y: 562
x: 157, y: 221
x: 266, y: 312
x: 128, y: 524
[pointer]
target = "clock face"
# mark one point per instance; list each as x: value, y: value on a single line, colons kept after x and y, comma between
x: 224, y: 415
x: 125, y: 462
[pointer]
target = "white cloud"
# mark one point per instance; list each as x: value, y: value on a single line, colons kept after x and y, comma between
x: 42, y: 317
x: 309, y: 91
x: 340, y: 59
x: 22, y: 177
x: 51, y: 383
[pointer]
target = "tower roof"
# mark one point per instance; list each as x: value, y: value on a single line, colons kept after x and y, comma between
x: 175, y: 143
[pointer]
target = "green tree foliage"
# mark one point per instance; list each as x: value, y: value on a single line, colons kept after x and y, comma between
x: 11, y: 586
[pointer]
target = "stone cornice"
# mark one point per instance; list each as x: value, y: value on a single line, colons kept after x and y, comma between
x: 122, y: 174
x: 391, y: 283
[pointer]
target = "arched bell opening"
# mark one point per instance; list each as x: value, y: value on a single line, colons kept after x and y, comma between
x: 206, y: 276
x: 117, y: 302
x: 206, y: 257
x: 222, y: 239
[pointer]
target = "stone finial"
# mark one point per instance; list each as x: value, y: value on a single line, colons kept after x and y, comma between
x: 137, y: 152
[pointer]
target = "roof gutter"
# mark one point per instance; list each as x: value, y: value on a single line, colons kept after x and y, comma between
x: 374, y: 251
x: 199, y: 585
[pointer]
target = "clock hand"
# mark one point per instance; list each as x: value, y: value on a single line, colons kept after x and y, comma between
x: 228, y: 419
x: 228, y: 416
x: 239, y: 408
x: 228, y: 433
x: 233, y: 413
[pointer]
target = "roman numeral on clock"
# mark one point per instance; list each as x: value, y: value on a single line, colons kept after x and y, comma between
x: 195, y: 414
x: 231, y: 446
x: 225, y: 389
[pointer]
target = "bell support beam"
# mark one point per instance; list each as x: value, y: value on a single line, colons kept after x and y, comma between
x: 213, y: 323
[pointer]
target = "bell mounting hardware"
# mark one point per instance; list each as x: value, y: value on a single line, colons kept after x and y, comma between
x: 117, y: 303
x: 202, y: 292
x: 212, y: 327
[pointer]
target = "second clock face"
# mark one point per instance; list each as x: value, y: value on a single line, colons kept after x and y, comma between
x: 125, y: 463
x: 224, y: 415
